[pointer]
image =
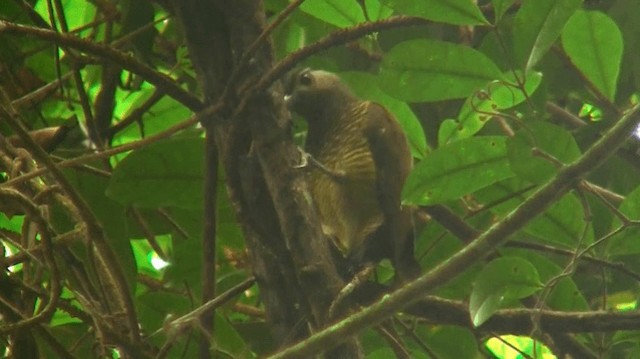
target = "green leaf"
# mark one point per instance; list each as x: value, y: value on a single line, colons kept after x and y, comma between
x: 456, y: 169
x: 228, y: 340
x: 439, y: 339
x: 536, y: 27
x: 479, y: 107
x: 563, y: 223
x: 501, y: 6
x: 110, y: 215
x: 79, y: 13
x: 258, y: 336
x: 167, y: 173
x: 135, y: 16
x: 13, y: 223
x: 548, y: 138
x: 376, y: 10
x: 594, y: 44
x: 456, y: 12
x: 449, y: 127
x: 626, y: 13
x: 500, y: 281
x: 165, y: 113
x: 565, y: 294
x: 67, y: 336
x: 511, y: 346
x: 154, y: 306
x: 431, y: 70
x: 502, y: 197
x: 186, y: 268
x: 364, y: 86
x: 626, y: 242
x: 335, y: 12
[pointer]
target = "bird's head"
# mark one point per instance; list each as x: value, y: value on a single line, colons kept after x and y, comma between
x: 315, y: 94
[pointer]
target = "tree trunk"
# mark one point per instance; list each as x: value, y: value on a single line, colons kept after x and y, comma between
x: 290, y: 256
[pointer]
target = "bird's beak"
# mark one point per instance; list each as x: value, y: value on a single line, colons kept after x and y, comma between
x: 288, y: 101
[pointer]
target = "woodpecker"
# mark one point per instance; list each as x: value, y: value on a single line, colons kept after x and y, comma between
x: 360, y: 159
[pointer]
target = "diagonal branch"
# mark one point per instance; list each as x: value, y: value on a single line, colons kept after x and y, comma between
x: 128, y: 62
x: 489, y: 240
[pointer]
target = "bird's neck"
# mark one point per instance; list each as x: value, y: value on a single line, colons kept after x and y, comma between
x: 327, y: 119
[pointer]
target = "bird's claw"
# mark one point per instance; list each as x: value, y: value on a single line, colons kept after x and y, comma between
x: 304, y: 158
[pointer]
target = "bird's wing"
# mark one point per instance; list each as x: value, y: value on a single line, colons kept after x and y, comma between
x: 392, y: 158
x: 390, y: 152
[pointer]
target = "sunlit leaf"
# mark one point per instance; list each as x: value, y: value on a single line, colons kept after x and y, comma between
x: 536, y: 27
x: 483, y: 104
x: 594, y: 44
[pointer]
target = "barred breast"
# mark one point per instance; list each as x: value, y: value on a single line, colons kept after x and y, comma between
x: 350, y: 211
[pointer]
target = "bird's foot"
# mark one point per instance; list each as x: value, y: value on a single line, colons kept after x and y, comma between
x: 306, y: 159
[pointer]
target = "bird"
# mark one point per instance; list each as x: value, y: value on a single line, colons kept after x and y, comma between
x: 359, y: 159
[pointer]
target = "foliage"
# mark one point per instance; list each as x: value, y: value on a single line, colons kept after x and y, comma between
x: 104, y: 231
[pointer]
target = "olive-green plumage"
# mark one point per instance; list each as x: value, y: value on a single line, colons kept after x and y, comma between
x: 366, y: 160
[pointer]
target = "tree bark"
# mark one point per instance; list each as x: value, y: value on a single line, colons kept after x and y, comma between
x: 291, y: 258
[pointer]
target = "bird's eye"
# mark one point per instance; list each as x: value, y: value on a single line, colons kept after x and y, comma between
x: 305, y: 79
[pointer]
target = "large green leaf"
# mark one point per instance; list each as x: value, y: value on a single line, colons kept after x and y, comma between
x: 456, y: 169
x: 549, y: 139
x: 431, y: 70
x: 563, y: 223
x: 626, y: 13
x: 440, y: 343
x: 167, y: 173
x: 186, y: 255
x: 564, y: 294
x: 154, y: 306
x: 162, y: 115
x: 364, y: 85
x: 501, y: 6
x: 335, y: 12
x: 229, y: 342
x: 626, y: 242
x: 500, y: 281
x: 502, y: 197
x: 457, y: 12
x: 110, y: 215
x: 376, y: 10
x: 594, y: 44
x: 79, y: 13
x: 536, y: 27
x: 479, y: 107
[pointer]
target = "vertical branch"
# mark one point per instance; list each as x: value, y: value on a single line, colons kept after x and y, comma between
x: 272, y: 146
x: 209, y: 236
x: 209, y: 48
